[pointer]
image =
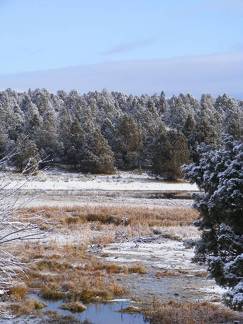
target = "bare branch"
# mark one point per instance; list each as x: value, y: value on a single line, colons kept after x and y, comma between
x: 12, y: 227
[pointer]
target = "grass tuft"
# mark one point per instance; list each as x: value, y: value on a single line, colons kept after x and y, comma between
x: 140, y: 269
x: 188, y: 313
x: 74, y: 307
x: 17, y: 293
x: 52, y: 265
x: 28, y: 307
x: 52, y: 293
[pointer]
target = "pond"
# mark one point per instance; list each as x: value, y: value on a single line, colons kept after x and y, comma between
x: 97, y: 313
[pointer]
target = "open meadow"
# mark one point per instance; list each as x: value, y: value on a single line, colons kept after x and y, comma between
x: 126, y: 260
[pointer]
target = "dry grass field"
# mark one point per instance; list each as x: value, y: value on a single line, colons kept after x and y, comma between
x: 65, y: 270
x: 175, y: 216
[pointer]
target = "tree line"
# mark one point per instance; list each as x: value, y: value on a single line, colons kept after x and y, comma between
x: 98, y: 132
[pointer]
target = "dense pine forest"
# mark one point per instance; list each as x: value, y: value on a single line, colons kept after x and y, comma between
x: 98, y: 132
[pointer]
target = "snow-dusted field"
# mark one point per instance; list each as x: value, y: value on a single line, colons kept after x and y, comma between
x: 56, y: 188
x: 56, y: 180
x: 159, y: 254
x: 164, y: 254
x: 170, y: 273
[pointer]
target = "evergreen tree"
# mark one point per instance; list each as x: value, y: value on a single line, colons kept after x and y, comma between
x: 170, y: 153
x: 189, y: 126
x: 219, y: 174
x: 74, y: 144
x: 97, y: 154
x: 128, y: 143
x: 129, y: 124
x: 230, y: 112
x: 26, y: 158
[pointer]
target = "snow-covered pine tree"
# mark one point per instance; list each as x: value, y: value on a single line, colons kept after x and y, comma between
x: 46, y: 119
x: 219, y: 174
x: 97, y: 154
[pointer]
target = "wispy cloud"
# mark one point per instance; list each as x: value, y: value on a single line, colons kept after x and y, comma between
x: 214, y: 74
x: 129, y: 46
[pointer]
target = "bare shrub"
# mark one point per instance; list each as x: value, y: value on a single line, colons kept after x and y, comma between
x: 12, y: 228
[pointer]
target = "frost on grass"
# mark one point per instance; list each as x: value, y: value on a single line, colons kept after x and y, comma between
x: 56, y: 180
x: 165, y: 251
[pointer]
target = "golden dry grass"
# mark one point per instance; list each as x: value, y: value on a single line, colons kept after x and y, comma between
x: 74, y: 307
x: 70, y: 217
x: 188, y: 313
x: 17, y: 292
x: 114, y: 268
x: 30, y: 306
x: 67, y: 273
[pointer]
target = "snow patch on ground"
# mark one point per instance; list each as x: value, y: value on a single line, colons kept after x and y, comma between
x: 162, y: 254
x: 214, y: 289
x: 159, y: 254
x: 63, y: 189
x: 182, y: 232
x: 77, y: 181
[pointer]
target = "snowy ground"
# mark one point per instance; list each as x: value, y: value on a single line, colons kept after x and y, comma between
x: 56, y: 180
x: 98, y: 198
x: 170, y: 273
x: 167, y: 254
x: 54, y: 187
x: 178, y: 278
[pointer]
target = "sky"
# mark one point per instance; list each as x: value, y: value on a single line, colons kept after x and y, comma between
x: 129, y: 45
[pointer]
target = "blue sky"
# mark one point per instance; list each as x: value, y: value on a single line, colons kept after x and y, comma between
x: 42, y: 35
